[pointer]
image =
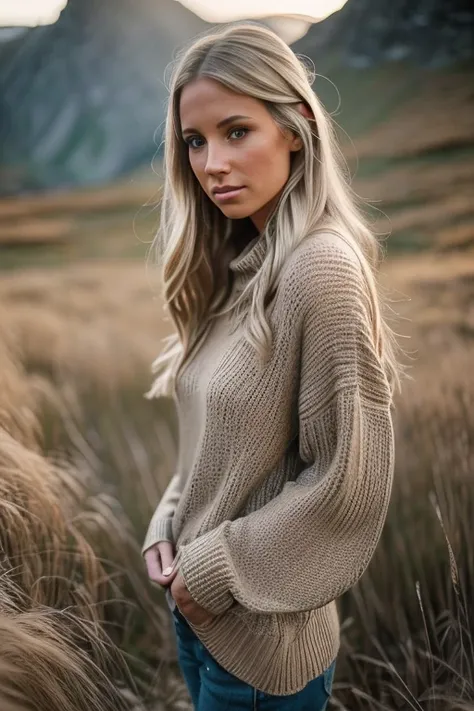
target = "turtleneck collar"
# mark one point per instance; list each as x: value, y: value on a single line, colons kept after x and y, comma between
x: 250, y: 259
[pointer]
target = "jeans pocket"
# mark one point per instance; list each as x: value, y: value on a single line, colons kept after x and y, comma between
x: 328, y: 678
x: 179, y: 620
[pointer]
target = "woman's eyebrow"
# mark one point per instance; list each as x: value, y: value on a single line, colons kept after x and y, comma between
x: 224, y: 122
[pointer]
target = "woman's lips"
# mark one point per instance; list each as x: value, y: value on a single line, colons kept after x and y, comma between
x: 222, y: 197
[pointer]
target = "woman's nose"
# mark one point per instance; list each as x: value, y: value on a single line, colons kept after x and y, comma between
x: 216, y: 161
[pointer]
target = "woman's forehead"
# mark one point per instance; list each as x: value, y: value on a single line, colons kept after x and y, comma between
x: 210, y: 100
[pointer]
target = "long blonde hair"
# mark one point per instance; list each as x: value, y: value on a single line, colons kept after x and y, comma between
x: 194, y: 242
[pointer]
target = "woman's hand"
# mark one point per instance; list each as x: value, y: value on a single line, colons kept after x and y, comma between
x: 158, y: 558
x: 161, y: 557
x: 192, y: 610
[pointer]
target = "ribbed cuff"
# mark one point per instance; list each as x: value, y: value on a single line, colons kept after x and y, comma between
x: 205, y: 568
x: 159, y: 530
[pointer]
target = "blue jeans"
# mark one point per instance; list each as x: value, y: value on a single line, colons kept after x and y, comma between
x: 213, y: 688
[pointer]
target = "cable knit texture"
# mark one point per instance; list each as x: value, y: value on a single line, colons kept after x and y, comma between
x: 284, y: 471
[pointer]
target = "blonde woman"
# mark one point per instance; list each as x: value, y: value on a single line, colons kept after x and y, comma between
x: 282, y: 369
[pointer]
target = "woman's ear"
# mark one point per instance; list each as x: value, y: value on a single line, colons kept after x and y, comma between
x: 304, y: 109
x: 296, y: 143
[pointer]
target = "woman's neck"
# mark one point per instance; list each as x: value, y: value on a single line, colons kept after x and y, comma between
x: 243, y: 235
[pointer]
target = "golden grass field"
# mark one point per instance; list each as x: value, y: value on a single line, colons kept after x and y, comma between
x: 84, y: 457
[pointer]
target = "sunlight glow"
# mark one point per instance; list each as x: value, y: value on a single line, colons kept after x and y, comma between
x: 290, y: 19
x: 218, y: 11
x: 30, y: 13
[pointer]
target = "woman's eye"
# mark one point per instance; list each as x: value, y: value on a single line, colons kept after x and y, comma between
x: 190, y: 141
x: 236, y: 130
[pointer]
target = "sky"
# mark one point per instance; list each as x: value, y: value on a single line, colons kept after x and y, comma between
x: 38, y: 12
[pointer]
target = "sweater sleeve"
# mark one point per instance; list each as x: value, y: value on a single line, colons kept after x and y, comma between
x: 159, y: 528
x: 313, y: 541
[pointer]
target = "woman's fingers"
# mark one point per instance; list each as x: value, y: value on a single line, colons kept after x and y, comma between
x: 169, y: 578
x: 153, y: 564
x: 167, y: 555
x: 169, y: 572
x: 160, y: 558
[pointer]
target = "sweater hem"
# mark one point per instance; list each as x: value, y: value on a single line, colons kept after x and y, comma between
x: 272, y: 658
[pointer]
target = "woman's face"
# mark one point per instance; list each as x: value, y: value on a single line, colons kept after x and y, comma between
x: 233, y: 141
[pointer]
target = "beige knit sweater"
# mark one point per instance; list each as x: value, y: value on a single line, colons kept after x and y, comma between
x: 284, y: 472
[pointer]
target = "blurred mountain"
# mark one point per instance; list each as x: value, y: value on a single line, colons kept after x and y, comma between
x: 82, y: 101
x: 431, y: 33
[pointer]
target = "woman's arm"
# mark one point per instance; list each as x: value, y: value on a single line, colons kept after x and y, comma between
x: 314, y: 540
x: 159, y: 528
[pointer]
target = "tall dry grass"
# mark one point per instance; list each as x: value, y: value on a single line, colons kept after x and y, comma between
x: 84, y: 459
x: 55, y: 659
x: 81, y: 627
x: 409, y: 624
x: 55, y: 654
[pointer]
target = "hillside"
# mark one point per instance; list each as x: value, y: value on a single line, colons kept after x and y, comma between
x: 82, y: 101
x: 408, y: 135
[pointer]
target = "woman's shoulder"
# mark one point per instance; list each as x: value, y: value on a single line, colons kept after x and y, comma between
x: 325, y: 248
x: 324, y: 261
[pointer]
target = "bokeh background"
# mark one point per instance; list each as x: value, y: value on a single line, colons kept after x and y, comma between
x: 84, y: 457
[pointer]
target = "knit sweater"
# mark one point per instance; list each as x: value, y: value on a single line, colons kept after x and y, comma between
x: 284, y: 470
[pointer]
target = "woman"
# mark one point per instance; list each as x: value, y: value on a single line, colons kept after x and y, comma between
x: 282, y: 369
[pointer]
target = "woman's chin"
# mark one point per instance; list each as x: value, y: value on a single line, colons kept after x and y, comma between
x: 235, y: 212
